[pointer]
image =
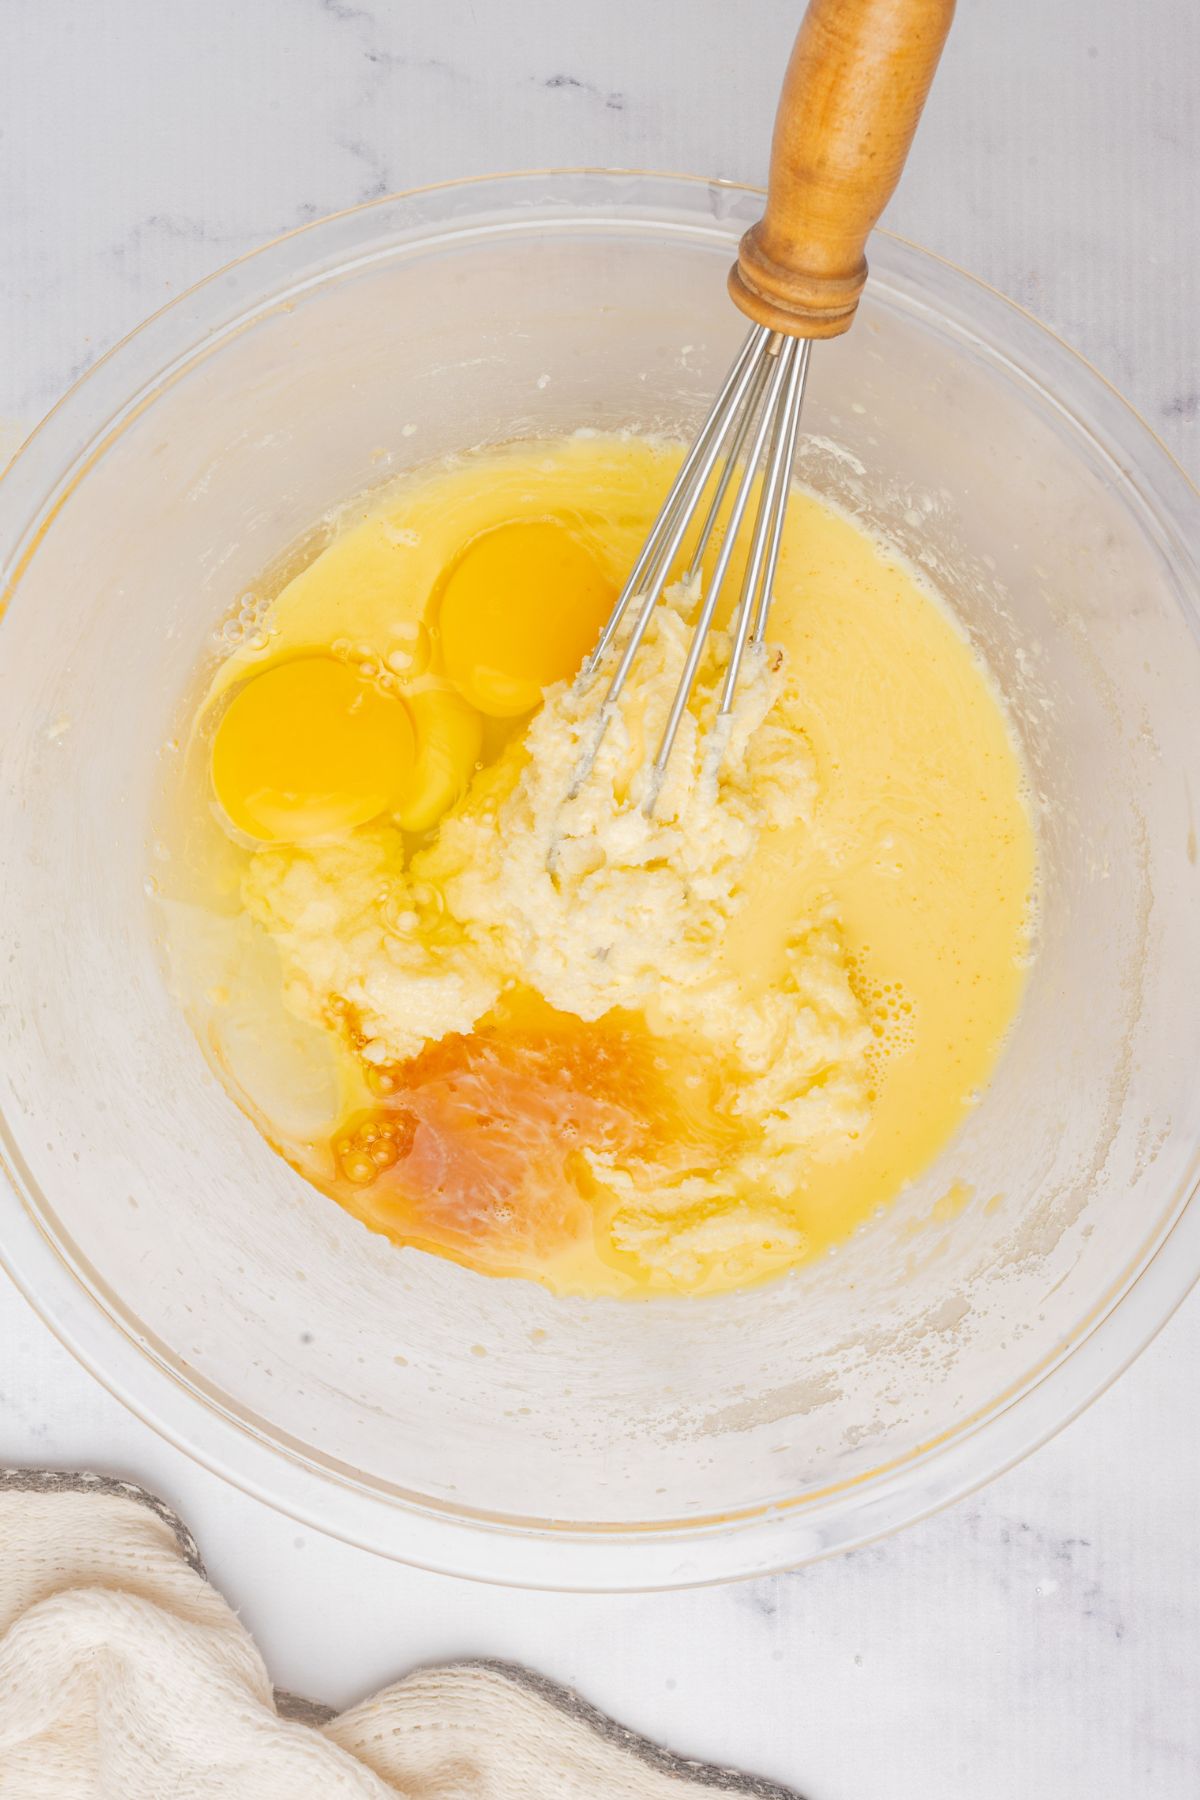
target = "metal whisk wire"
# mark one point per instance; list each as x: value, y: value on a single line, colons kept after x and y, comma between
x: 853, y: 92
x: 759, y: 403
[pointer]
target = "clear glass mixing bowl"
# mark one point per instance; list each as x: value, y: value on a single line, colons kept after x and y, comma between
x: 483, y: 1426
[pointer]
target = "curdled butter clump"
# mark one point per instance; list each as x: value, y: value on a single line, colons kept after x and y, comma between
x: 599, y: 904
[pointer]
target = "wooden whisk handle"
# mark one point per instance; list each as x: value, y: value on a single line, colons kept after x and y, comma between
x: 852, y: 96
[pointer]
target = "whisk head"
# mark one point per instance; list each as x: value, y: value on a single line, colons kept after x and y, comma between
x: 755, y: 416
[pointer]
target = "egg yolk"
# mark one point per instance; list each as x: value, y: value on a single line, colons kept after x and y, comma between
x: 308, y: 748
x: 449, y: 744
x: 520, y: 609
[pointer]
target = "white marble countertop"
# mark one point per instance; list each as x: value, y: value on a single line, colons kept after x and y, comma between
x: 1041, y: 1639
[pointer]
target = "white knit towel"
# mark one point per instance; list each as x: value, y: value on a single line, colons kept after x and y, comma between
x: 125, y: 1676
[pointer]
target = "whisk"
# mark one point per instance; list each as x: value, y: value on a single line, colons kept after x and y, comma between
x: 852, y: 96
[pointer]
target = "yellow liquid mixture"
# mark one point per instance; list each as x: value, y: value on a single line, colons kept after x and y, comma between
x: 552, y: 1037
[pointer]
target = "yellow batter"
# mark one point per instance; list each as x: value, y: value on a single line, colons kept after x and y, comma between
x: 544, y: 1033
